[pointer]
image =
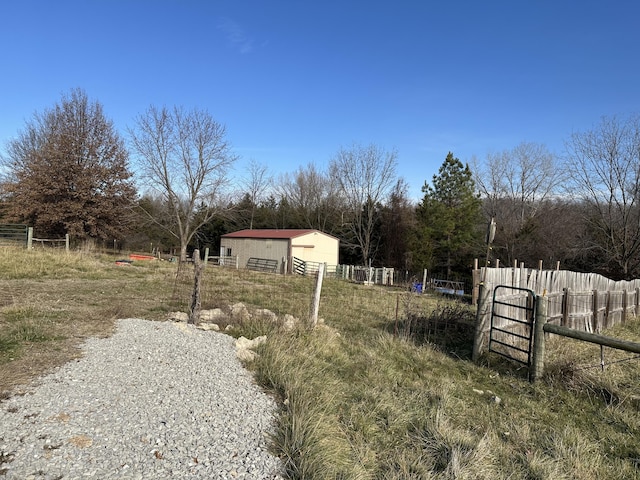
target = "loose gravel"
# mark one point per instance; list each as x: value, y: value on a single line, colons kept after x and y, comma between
x: 156, y: 400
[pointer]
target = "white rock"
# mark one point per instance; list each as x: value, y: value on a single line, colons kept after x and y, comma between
x: 245, y: 343
x: 242, y: 343
x: 239, y: 311
x: 266, y: 314
x: 178, y: 316
x: 246, y: 355
x: 289, y: 322
x: 209, y: 327
x: 211, y: 315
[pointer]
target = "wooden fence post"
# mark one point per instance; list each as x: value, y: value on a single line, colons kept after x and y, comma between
x: 607, y: 310
x: 194, y: 311
x: 66, y: 242
x: 537, y: 362
x: 206, y: 256
x: 315, y: 305
x: 595, y: 324
x: 30, y: 238
x: 481, y: 321
x: 565, y: 306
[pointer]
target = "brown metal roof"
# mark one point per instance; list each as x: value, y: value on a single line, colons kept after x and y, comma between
x: 272, y: 233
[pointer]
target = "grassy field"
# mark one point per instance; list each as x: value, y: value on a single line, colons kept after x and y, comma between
x: 368, y: 394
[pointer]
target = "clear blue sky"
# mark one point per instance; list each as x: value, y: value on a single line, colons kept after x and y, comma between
x: 293, y: 81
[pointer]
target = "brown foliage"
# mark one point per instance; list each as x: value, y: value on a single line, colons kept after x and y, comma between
x: 69, y: 173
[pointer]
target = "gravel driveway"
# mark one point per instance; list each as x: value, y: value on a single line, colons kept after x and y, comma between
x: 157, y: 400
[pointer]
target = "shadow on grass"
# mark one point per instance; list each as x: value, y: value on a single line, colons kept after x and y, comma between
x: 449, y: 327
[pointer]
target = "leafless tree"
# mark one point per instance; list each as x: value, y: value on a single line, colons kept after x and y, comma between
x: 605, y: 169
x: 312, y: 198
x: 185, y: 156
x: 514, y: 185
x: 398, y: 221
x: 364, y: 176
x: 256, y: 184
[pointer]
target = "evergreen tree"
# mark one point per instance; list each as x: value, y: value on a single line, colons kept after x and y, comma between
x: 447, y: 219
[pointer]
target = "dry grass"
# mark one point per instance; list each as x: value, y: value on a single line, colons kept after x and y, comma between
x: 356, y: 400
x: 50, y: 302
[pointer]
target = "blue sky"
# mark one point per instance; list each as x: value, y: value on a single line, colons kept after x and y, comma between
x: 294, y: 81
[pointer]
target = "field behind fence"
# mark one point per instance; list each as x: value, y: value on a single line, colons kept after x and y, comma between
x: 383, y: 307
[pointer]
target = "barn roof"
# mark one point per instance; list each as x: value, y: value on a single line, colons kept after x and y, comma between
x: 285, y: 233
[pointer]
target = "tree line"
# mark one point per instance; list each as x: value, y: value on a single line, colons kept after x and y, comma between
x: 70, y: 171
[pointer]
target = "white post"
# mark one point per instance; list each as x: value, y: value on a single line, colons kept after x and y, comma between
x: 424, y: 281
x: 206, y: 256
x: 316, y: 296
x: 66, y: 242
x: 29, y: 238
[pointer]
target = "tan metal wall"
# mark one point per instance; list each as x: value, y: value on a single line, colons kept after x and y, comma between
x: 312, y: 247
x: 316, y: 247
x: 246, y: 248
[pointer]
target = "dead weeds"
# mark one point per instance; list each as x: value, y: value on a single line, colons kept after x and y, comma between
x: 44, y: 321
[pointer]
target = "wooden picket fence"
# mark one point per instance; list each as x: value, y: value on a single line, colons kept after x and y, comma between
x: 581, y: 301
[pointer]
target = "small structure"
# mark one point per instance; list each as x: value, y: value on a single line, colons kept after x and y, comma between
x: 284, y: 246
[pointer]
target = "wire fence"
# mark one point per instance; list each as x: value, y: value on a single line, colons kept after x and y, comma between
x: 351, y: 303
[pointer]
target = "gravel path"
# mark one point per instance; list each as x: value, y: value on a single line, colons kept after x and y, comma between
x: 157, y: 400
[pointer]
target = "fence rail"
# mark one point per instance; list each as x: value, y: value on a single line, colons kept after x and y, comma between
x: 354, y: 273
x: 13, y: 235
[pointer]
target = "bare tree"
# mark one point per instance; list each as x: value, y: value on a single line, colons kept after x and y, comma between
x: 364, y: 176
x: 68, y: 172
x: 256, y: 184
x: 398, y: 221
x: 514, y: 185
x: 312, y: 198
x: 605, y: 168
x: 185, y: 156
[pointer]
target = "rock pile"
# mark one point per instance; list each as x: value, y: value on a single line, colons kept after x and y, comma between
x: 211, y: 320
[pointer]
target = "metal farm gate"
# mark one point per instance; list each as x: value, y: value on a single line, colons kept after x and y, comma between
x: 14, y: 235
x: 512, y: 323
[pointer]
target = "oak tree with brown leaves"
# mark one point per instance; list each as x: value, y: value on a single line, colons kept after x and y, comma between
x: 67, y: 172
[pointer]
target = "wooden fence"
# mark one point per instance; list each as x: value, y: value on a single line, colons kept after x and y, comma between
x: 582, y: 301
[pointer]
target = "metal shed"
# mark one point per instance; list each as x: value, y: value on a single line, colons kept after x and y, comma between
x: 281, y: 245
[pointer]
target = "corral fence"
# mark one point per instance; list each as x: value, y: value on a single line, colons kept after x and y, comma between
x: 354, y: 273
x: 387, y: 276
x: 508, y: 300
x: 358, y: 274
x: 50, y: 242
x: 18, y: 235
x: 14, y: 235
